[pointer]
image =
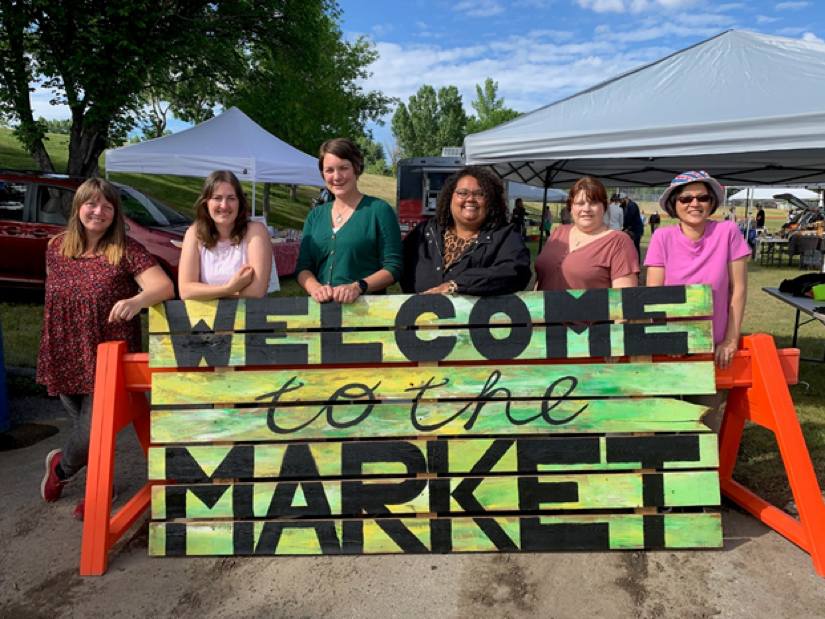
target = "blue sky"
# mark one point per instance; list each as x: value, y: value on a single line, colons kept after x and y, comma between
x: 542, y: 50
x: 537, y: 50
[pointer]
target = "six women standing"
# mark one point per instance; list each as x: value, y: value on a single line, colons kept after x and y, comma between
x: 99, y: 280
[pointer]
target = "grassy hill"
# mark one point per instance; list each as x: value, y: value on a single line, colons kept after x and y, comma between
x: 180, y: 192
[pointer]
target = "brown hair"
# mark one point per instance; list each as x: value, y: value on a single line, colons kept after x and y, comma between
x: 493, y: 190
x: 593, y: 191
x: 343, y: 148
x: 113, y: 242
x: 205, y: 227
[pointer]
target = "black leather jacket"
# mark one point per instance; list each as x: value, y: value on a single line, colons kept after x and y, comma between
x: 499, y: 262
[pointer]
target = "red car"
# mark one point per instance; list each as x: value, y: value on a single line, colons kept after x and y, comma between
x: 34, y: 207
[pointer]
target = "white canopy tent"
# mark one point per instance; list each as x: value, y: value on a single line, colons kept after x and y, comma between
x: 768, y: 193
x: 746, y: 107
x: 230, y: 141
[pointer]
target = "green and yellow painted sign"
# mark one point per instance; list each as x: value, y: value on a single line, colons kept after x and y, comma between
x: 536, y: 421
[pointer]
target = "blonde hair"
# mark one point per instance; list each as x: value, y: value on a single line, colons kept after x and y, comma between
x: 112, y: 244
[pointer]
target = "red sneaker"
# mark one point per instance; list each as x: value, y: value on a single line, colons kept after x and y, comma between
x: 52, y: 486
x: 79, y: 510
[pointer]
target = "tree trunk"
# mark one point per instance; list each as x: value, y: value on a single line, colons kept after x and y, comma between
x: 265, y: 206
x: 86, y: 143
x: 15, y: 77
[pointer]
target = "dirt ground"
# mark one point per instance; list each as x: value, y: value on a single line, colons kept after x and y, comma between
x: 757, y: 573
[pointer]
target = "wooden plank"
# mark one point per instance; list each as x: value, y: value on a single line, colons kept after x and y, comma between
x: 194, y: 463
x: 279, y: 313
x: 316, y: 422
x: 444, y: 495
x: 472, y: 382
x: 437, y: 535
x: 467, y: 344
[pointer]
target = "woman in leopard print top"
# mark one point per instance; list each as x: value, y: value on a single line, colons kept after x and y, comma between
x: 468, y: 247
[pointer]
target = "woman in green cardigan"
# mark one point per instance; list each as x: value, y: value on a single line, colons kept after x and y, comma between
x: 352, y: 245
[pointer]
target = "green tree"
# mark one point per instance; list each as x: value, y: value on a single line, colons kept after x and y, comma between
x: 489, y: 108
x: 375, y: 161
x: 59, y: 125
x: 97, y: 57
x: 308, y: 89
x: 429, y: 121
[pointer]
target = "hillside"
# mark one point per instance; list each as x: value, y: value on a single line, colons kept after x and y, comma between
x: 180, y: 192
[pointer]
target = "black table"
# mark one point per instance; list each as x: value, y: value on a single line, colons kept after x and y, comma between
x: 803, y: 305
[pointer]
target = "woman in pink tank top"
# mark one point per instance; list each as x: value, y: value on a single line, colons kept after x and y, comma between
x: 224, y: 254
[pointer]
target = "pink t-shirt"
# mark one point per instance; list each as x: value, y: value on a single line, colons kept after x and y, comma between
x: 700, y: 262
x: 595, y: 265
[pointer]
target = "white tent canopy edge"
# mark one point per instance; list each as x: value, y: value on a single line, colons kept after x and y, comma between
x: 647, y: 125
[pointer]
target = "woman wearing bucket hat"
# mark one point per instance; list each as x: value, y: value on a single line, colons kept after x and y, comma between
x: 701, y: 251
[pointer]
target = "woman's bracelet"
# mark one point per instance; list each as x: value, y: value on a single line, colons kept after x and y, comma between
x: 452, y: 287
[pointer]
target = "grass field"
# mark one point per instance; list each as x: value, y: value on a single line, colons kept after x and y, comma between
x: 760, y: 465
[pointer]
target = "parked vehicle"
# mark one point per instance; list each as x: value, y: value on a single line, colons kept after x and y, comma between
x: 419, y: 181
x: 34, y: 207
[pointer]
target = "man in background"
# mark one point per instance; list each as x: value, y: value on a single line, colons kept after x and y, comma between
x: 632, y: 220
x: 613, y: 214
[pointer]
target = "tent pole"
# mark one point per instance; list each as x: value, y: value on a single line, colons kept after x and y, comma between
x: 253, y: 196
x: 543, y: 216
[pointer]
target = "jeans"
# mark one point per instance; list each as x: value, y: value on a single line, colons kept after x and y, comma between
x: 76, y: 449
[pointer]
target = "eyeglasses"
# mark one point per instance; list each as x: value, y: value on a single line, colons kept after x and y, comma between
x: 703, y: 199
x: 478, y: 194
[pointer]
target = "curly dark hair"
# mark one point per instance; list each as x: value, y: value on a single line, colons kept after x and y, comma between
x: 493, y: 190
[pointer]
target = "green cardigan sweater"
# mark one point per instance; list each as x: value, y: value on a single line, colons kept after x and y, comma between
x: 368, y: 242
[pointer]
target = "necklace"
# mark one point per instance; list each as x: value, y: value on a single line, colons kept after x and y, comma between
x: 578, y: 240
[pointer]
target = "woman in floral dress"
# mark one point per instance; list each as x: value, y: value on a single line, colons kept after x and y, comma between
x: 97, y: 282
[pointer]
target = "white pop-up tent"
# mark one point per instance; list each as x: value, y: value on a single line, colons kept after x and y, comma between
x: 768, y: 193
x: 748, y: 108
x: 231, y: 141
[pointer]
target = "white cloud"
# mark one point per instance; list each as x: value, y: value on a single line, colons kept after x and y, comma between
x: 479, y: 8
x: 633, y: 6
x: 603, y: 6
x: 765, y: 19
x: 810, y: 36
x: 791, y: 6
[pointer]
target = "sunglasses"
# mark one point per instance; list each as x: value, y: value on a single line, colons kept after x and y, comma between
x: 703, y: 199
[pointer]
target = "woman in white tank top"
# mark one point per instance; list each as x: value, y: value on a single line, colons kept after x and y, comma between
x: 224, y: 254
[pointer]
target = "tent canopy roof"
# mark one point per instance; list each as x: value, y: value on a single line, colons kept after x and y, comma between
x: 230, y: 141
x: 768, y: 193
x: 746, y: 107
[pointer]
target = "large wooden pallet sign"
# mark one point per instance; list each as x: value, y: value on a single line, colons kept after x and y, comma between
x: 432, y: 424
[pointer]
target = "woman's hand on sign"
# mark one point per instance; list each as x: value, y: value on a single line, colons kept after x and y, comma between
x: 725, y: 351
x: 321, y: 293
x: 346, y: 293
x: 241, y: 279
x: 445, y: 288
x: 125, y: 309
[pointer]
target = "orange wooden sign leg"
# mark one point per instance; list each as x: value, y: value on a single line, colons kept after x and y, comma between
x: 768, y: 403
x: 113, y: 409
